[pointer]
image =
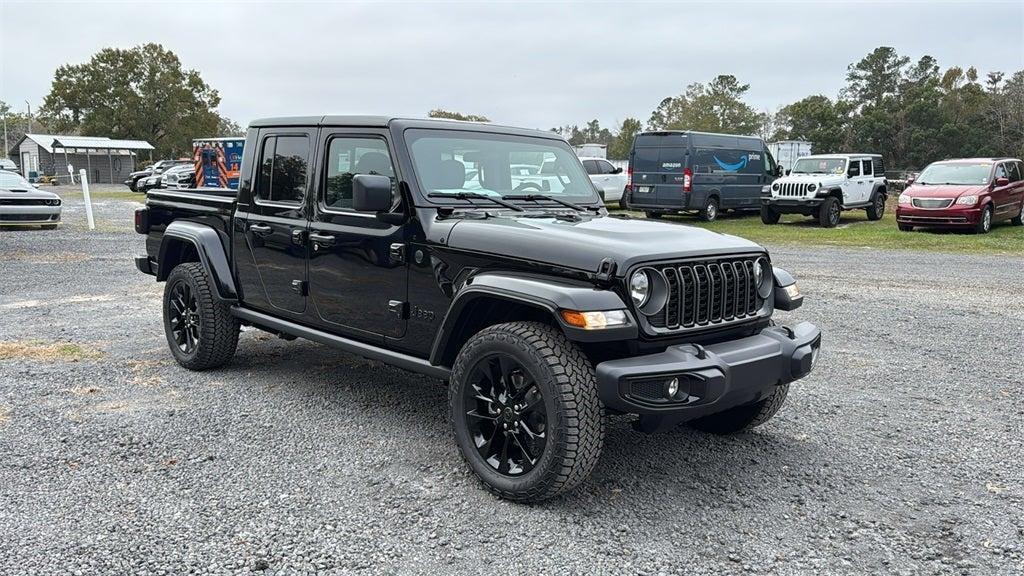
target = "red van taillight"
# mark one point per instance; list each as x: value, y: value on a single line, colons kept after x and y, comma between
x: 687, y: 180
x: 629, y: 178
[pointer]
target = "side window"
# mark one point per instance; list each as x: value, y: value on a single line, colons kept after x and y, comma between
x: 866, y: 167
x: 591, y: 167
x: 347, y: 157
x: 605, y: 167
x: 854, y: 169
x: 879, y: 166
x: 1018, y: 172
x: 284, y: 163
x: 1000, y: 171
x: 769, y: 163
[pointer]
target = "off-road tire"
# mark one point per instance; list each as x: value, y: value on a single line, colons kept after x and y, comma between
x: 743, y: 418
x: 709, y: 213
x: 877, y: 208
x: 829, y: 212
x: 567, y: 380
x: 653, y: 215
x: 218, y: 329
x: 984, y: 225
x: 769, y: 215
x: 905, y: 227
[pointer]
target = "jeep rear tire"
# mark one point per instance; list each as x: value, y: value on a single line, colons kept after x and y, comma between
x: 525, y: 411
x: 769, y: 215
x: 745, y: 417
x: 877, y: 208
x: 200, y: 329
x: 710, y: 210
x: 828, y: 212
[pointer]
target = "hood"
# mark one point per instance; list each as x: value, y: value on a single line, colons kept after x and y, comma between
x: 583, y: 244
x: 34, y: 194
x: 944, y: 190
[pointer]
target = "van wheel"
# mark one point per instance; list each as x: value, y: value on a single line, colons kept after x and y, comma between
x: 828, y: 213
x: 653, y: 215
x: 200, y: 329
x: 877, y: 208
x: 985, y: 223
x: 743, y: 418
x: 525, y: 411
x: 1019, y: 220
x: 710, y: 211
x: 769, y: 215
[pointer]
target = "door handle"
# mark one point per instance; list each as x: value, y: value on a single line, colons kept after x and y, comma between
x: 260, y: 229
x: 319, y: 240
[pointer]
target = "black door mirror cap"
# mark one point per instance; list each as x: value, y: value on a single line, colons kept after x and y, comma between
x: 371, y: 193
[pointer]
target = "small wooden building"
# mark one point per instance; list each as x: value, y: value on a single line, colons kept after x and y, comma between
x: 104, y: 159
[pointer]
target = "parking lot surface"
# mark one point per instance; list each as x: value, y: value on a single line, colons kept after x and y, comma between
x: 901, y: 454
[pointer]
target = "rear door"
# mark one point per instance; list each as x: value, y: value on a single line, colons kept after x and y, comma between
x: 1016, y: 194
x: 1003, y: 197
x: 276, y: 224
x: 658, y: 163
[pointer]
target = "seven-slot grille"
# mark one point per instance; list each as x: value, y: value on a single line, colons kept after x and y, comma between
x: 707, y: 293
x: 932, y: 203
x: 793, y: 188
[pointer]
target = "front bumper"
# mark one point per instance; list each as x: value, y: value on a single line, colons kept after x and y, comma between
x: 712, y: 378
x: 951, y: 216
x: 29, y: 215
x: 798, y: 204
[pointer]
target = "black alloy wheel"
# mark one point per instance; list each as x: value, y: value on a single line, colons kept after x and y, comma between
x: 184, y: 317
x: 506, y: 416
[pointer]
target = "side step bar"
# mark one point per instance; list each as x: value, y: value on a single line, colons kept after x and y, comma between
x: 403, y: 361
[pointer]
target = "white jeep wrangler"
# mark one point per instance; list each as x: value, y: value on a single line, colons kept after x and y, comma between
x: 824, y: 185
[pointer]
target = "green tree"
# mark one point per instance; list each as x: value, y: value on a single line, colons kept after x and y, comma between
x: 17, y: 126
x: 623, y: 142
x: 816, y: 119
x: 714, y: 107
x: 875, y: 77
x: 228, y: 127
x: 440, y: 113
x: 137, y: 93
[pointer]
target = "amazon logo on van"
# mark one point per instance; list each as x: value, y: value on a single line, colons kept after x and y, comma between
x: 672, y: 165
x: 732, y: 167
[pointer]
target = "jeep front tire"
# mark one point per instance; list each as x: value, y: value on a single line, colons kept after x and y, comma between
x: 200, y: 329
x: 828, y: 212
x: 525, y: 411
x: 769, y: 215
x: 743, y: 418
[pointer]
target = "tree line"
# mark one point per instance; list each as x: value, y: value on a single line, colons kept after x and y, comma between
x: 910, y: 112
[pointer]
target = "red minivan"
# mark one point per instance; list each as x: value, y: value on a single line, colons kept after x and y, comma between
x: 965, y: 193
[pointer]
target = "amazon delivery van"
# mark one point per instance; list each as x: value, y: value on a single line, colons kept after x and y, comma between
x: 684, y: 171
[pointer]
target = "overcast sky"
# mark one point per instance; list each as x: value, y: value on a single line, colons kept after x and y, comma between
x: 527, y: 64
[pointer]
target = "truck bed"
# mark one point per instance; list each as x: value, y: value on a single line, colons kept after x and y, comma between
x: 211, y: 206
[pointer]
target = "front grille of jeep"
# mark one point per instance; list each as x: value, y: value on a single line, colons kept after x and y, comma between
x: 793, y: 188
x: 706, y: 293
x: 932, y: 203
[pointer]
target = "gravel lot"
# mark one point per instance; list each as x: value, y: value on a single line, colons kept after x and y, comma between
x: 901, y: 454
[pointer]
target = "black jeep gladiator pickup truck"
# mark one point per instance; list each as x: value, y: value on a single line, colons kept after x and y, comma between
x: 435, y: 247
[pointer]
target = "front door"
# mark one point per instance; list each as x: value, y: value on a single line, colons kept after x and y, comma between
x: 276, y: 225
x: 357, y: 272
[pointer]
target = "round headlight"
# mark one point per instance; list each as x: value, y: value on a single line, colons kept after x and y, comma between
x: 763, y: 277
x: 812, y: 186
x: 639, y: 288
x: 775, y: 186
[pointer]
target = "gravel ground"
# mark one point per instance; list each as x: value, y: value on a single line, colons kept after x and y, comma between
x: 901, y: 454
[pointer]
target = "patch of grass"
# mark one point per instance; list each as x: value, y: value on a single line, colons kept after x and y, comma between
x: 856, y: 230
x: 46, y: 351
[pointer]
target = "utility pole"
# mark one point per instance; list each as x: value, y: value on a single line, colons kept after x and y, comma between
x: 29, y: 129
x: 6, y: 149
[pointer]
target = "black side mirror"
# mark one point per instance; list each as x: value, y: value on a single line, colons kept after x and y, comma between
x: 371, y: 193
x: 618, y: 170
x: 788, y: 171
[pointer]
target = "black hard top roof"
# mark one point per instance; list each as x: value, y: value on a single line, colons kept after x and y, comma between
x: 400, y: 123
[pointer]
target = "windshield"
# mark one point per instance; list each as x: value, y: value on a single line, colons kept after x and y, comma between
x: 452, y: 162
x: 819, y: 166
x: 962, y: 173
x: 13, y: 181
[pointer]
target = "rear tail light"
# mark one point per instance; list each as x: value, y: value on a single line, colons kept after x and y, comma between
x: 142, y: 220
x: 687, y: 180
x: 629, y: 178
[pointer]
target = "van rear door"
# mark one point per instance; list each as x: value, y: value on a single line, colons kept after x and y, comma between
x: 658, y: 162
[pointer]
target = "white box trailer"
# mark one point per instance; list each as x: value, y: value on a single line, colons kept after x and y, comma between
x: 591, y: 150
x: 786, y: 152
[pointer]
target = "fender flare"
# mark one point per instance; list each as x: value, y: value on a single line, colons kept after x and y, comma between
x: 210, y: 249
x: 549, y: 295
x: 879, y: 185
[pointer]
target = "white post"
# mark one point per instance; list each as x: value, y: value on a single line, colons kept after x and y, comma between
x: 88, y: 201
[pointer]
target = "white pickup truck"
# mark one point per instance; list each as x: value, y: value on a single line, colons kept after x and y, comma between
x: 609, y: 179
x: 824, y: 185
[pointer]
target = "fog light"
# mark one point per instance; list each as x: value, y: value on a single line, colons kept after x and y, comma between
x: 672, y: 388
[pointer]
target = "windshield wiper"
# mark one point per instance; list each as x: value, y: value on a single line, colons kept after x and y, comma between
x: 539, y: 197
x: 476, y: 196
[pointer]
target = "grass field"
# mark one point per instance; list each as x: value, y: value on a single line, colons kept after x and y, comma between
x: 856, y: 230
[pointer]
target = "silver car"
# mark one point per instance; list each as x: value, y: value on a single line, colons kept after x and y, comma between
x: 22, y: 204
